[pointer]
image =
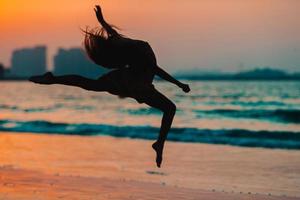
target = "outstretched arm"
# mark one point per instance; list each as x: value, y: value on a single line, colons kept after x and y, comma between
x: 110, y: 30
x: 164, y: 75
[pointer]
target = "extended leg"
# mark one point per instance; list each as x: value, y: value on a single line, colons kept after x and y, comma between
x: 71, y: 80
x: 159, y: 101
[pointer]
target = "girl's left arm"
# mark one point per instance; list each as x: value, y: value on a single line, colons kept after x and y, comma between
x: 166, y: 76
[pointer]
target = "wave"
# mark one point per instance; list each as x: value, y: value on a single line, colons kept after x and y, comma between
x: 267, y: 139
x: 279, y: 115
x: 141, y: 111
x: 248, y: 103
x: 30, y: 110
x: 45, y: 109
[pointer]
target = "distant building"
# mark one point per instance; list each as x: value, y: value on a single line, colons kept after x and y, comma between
x: 1, y: 71
x: 74, y: 61
x: 28, y: 61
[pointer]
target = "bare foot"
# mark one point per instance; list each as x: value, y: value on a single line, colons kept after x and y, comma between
x: 158, y: 148
x: 46, y: 78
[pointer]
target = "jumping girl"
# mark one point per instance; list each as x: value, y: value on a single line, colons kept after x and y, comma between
x: 134, y: 67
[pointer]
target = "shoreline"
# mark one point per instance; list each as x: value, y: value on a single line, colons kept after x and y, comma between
x: 271, y: 139
x: 193, y: 169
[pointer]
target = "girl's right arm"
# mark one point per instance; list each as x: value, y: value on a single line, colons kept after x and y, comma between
x: 111, y: 31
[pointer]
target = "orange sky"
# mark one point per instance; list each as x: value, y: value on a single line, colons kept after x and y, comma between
x: 209, y: 34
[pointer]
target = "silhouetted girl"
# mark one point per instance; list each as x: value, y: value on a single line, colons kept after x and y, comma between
x: 134, y: 67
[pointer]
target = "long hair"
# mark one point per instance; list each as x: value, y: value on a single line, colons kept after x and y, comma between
x: 101, y: 48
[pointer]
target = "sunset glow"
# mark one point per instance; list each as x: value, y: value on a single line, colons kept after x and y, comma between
x: 192, y: 34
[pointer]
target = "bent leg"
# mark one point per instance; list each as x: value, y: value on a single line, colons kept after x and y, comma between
x: 157, y: 100
x: 70, y: 80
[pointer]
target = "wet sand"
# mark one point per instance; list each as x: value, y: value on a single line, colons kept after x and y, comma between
x: 75, y: 167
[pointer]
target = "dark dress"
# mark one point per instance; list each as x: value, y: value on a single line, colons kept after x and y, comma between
x: 135, y: 78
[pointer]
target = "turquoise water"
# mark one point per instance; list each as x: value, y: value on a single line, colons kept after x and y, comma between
x: 246, y: 113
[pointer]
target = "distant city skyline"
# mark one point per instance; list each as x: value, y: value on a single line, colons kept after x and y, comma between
x: 74, y: 60
x: 227, y: 35
x: 31, y: 61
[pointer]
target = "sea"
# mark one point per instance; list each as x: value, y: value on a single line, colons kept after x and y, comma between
x: 261, y: 114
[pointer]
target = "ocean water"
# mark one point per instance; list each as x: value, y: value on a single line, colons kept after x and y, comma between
x: 243, y: 113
